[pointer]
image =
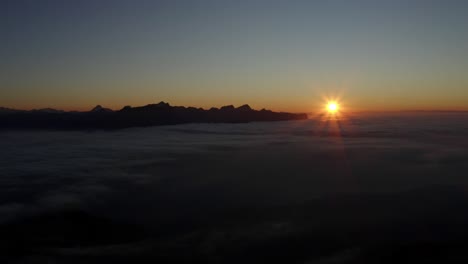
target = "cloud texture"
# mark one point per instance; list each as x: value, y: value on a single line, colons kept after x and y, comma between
x: 313, y: 191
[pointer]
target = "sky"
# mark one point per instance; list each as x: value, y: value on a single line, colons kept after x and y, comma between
x: 281, y: 55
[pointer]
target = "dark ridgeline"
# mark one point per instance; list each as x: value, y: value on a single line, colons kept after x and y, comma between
x: 149, y: 115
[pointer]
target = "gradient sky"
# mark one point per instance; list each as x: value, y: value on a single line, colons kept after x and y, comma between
x: 282, y: 55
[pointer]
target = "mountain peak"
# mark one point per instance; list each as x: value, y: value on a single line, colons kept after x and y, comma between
x: 99, y: 108
x: 126, y: 108
x: 162, y: 103
x: 228, y: 107
x: 245, y: 107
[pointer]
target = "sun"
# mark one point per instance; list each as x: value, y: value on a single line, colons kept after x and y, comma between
x: 332, y: 107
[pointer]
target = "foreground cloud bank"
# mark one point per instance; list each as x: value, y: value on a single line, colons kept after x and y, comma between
x: 365, y: 189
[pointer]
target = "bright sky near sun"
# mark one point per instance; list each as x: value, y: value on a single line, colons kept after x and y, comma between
x: 282, y: 55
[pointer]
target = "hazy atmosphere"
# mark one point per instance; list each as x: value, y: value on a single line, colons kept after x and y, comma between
x: 280, y: 55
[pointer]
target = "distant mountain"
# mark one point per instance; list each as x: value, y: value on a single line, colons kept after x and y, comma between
x: 4, y: 110
x: 48, y: 110
x: 99, y: 108
x: 161, y: 113
x: 245, y: 107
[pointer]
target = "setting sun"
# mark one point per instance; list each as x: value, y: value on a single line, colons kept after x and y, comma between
x: 332, y: 107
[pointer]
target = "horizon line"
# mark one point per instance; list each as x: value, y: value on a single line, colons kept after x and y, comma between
x: 303, y: 112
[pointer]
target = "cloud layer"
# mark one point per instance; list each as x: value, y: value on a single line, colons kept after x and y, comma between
x: 309, y: 191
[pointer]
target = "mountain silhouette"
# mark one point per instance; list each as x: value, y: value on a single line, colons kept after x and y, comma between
x: 161, y: 113
x: 99, y: 108
x: 4, y: 110
x: 48, y: 110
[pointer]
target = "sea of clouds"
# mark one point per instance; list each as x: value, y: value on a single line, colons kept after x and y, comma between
x: 309, y: 191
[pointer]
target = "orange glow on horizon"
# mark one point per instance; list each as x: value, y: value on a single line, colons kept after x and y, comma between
x: 321, y: 104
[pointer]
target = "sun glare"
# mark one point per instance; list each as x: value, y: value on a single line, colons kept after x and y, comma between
x: 332, y: 107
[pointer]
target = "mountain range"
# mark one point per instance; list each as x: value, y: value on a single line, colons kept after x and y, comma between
x: 149, y: 115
